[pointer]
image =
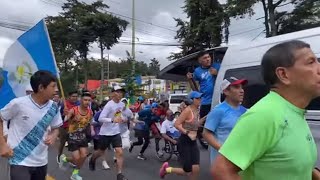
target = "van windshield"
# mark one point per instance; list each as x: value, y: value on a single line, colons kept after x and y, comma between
x: 177, y: 99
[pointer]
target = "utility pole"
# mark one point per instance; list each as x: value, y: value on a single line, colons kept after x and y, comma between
x: 133, y: 50
x: 102, y: 74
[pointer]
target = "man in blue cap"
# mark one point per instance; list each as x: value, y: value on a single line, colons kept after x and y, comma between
x: 142, y: 128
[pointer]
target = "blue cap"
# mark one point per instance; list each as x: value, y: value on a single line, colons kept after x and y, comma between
x: 154, y: 105
x: 195, y: 94
x: 140, y: 98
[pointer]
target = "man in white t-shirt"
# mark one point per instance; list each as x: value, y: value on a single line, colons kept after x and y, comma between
x: 31, y: 117
x: 124, y: 127
x: 110, y: 130
x: 168, y: 131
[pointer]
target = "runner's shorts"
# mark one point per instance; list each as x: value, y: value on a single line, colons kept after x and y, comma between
x: 26, y: 173
x: 189, y: 153
x: 77, y: 141
x: 105, y: 141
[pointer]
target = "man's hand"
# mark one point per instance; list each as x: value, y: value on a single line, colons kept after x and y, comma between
x: 189, y: 75
x: 50, y: 139
x: 213, y: 71
x: 117, y: 119
x: 6, y: 151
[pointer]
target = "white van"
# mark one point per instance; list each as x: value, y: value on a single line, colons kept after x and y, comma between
x: 244, y: 62
x: 175, y: 100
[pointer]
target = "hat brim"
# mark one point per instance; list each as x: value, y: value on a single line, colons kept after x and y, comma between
x: 240, y: 81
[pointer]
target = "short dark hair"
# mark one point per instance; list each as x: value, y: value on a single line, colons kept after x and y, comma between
x: 72, y: 92
x: 85, y: 94
x: 202, y: 53
x: 280, y: 55
x: 41, y: 77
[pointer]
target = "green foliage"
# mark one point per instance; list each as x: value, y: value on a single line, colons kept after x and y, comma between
x: 305, y: 15
x: 204, y: 30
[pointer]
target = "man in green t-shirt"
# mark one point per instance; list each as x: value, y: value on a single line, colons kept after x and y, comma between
x: 272, y: 140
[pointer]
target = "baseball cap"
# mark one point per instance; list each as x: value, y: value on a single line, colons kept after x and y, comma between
x: 140, y: 98
x: 154, y: 105
x: 195, y: 94
x: 117, y: 88
x: 124, y: 99
x: 232, y: 81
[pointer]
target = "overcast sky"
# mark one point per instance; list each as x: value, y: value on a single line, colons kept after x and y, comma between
x: 158, y: 25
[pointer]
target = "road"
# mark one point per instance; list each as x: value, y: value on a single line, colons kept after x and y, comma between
x: 134, y: 169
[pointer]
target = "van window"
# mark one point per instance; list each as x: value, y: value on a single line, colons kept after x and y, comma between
x: 177, y: 99
x: 256, y: 88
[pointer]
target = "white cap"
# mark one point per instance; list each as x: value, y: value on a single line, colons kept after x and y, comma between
x: 231, y: 81
x: 117, y: 87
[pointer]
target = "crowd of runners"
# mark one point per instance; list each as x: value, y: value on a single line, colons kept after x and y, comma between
x: 271, y: 140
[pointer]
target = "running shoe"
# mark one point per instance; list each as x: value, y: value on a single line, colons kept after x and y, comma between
x: 121, y: 177
x: 62, y: 163
x: 76, y: 177
x: 163, y: 171
x: 141, y: 157
x: 105, y: 165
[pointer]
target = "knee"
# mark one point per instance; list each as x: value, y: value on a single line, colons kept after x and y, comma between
x: 119, y: 152
x: 195, y: 169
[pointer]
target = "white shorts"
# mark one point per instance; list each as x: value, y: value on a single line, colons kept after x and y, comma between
x: 125, y: 138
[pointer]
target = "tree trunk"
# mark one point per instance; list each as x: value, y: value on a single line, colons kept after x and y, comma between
x: 272, y: 21
x: 65, y: 65
x: 266, y: 18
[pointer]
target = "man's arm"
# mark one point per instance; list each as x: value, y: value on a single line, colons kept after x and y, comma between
x: 168, y: 138
x: 224, y: 170
x: 69, y: 115
x: 316, y: 174
x: 192, y: 83
x: 5, y: 150
x: 210, y: 139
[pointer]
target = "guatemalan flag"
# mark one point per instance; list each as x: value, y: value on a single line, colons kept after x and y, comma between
x: 31, y: 52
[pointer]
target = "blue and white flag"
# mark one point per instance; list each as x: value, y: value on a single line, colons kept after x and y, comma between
x: 31, y: 52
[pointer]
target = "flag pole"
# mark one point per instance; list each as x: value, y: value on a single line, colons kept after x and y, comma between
x: 55, y: 63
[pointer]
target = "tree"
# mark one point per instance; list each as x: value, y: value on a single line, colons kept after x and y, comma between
x: 204, y: 30
x: 305, y: 15
x: 240, y: 8
x: 154, y: 67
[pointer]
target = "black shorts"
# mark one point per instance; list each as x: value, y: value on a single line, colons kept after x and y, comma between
x: 141, y: 133
x: 204, y: 110
x: 105, y: 141
x: 189, y: 153
x: 27, y: 173
x: 75, y: 146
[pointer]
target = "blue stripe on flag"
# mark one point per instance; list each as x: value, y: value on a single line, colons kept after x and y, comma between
x: 6, y: 90
x: 36, y: 42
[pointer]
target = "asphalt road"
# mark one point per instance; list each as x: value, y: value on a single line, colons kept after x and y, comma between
x: 134, y: 169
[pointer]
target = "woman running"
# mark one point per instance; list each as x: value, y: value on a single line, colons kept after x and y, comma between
x: 187, y: 123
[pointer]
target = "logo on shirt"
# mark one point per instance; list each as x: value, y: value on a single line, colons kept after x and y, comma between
x: 25, y: 118
x: 204, y: 75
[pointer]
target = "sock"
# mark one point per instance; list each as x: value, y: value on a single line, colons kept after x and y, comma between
x: 169, y: 170
x: 64, y: 159
x: 75, y: 171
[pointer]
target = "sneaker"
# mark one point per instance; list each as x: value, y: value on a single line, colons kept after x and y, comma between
x: 105, y: 165
x: 92, y: 165
x: 62, y: 163
x: 121, y: 177
x: 114, y: 159
x: 160, y: 154
x: 141, y: 157
x: 163, y: 171
x: 75, y: 177
x: 66, y: 144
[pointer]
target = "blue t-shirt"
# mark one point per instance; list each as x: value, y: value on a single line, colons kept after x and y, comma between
x: 221, y: 121
x: 206, y: 82
x: 148, y: 117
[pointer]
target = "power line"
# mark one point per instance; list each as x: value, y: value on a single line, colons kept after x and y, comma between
x: 243, y: 32
x: 55, y: 3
